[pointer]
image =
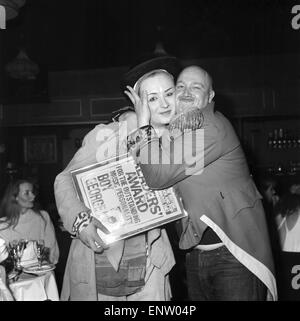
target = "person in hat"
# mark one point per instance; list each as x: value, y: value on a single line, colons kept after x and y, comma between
x: 137, y: 268
x: 229, y: 255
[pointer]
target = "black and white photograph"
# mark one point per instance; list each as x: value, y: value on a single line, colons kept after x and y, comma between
x: 202, y: 97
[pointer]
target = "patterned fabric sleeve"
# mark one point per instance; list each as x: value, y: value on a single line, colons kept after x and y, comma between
x: 83, y: 219
x: 140, y: 138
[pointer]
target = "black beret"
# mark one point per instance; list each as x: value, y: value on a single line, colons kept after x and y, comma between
x: 169, y: 63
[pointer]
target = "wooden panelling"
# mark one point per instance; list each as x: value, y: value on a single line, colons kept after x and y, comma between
x: 86, y: 82
x: 237, y: 103
x: 244, y: 102
x: 57, y: 110
x: 100, y: 107
x: 286, y: 101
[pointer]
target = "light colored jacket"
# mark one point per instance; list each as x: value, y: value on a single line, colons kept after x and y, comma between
x: 79, y: 279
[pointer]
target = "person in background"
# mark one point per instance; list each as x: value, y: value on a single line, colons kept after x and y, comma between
x: 230, y: 256
x: 288, y: 208
x: 270, y: 190
x: 21, y: 219
x: 295, y: 188
x: 135, y: 269
x: 289, y: 227
x: 268, y: 186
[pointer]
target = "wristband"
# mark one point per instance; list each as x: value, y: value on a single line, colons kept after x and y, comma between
x: 141, y: 137
x: 82, y: 220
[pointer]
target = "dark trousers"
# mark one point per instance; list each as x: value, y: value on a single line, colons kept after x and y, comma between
x: 217, y: 275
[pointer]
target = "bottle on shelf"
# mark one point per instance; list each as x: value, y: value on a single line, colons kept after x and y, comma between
x: 291, y: 168
x: 288, y: 139
x: 294, y: 141
x: 279, y: 169
x: 270, y: 140
x: 280, y: 138
x: 284, y: 140
x: 275, y: 138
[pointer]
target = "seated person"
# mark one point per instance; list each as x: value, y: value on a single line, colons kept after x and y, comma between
x: 21, y: 219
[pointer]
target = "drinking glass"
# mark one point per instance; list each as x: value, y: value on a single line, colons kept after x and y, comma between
x: 12, y: 249
x: 16, y: 250
x: 39, y: 249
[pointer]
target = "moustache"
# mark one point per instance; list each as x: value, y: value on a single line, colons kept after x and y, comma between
x: 185, y: 103
x: 185, y: 98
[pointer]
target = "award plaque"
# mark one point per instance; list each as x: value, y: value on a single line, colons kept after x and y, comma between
x: 117, y: 194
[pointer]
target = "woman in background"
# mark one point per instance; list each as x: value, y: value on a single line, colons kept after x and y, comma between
x: 21, y: 219
x: 289, y: 228
x: 268, y: 187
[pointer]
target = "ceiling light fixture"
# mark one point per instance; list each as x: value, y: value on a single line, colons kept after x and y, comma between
x: 22, y: 67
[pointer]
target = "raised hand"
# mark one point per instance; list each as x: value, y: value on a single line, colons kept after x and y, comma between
x: 140, y: 105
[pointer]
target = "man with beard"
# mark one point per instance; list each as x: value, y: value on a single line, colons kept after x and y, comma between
x: 229, y: 254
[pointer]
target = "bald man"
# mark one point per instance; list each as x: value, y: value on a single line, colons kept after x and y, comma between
x: 226, y: 235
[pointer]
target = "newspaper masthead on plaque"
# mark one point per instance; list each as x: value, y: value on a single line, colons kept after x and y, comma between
x: 117, y: 194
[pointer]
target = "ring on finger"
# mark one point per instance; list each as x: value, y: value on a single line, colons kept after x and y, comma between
x: 98, y: 245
